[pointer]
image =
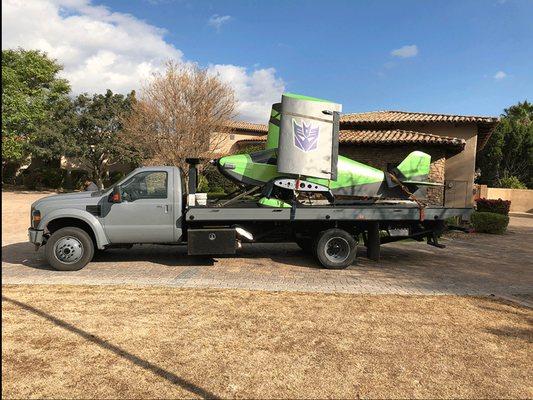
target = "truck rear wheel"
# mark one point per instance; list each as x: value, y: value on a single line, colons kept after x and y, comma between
x: 335, y: 249
x: 69, y: 249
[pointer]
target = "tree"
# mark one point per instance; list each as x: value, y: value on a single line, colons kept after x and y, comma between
x: 181, y: 113
x: 509, y: 152
x: 98, y: 123
x: 32, y: 94
x: 512, y: 182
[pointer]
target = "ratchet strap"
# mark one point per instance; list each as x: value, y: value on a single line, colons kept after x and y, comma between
x: 421, y: 205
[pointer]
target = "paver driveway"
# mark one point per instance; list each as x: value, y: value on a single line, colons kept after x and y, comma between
x: 471, y: 264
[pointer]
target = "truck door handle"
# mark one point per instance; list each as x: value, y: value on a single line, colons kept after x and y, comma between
x: 166, y: 208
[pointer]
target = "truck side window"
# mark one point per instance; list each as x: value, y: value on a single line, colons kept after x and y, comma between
x: 145, y: 185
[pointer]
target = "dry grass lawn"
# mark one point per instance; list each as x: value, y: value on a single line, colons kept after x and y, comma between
x: 125, y: 342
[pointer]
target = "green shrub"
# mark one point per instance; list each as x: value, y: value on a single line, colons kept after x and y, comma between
x: 114, y: 177
x: 45, y: 177
x: 251, y: 148
x: 9, y: 172
x: 487, y: 222
x: 53, y: 177
x: 216, y: 195
x: 493, y: 206
x: 32, y: 179
x: 512, y: 182
x: 78, y: 179
x: 453, y: 221
x: 217, y: 182
x: 203, y: 184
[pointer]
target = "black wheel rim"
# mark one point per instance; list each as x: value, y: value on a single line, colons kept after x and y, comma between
x: 337, y: 250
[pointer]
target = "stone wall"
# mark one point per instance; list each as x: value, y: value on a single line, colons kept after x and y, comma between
x: 382, y: 157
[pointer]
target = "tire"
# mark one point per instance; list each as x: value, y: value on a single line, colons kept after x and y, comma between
x: 335, y: 249
x: 69, y: 249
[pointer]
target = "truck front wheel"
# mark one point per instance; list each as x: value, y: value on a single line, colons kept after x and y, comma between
x: 69, y: 249
x: 336, y: 249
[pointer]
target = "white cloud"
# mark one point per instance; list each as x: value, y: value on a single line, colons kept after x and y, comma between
x: 98, y: 48
x: 405, y: 51
x: 500, y: 75
x: 216, y: 21
x: 256, y: 91
x: 102, y: 49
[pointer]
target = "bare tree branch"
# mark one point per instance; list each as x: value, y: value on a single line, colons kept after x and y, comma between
x: 183, y: 112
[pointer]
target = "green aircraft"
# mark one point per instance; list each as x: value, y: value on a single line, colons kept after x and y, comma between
x: 354, y: 179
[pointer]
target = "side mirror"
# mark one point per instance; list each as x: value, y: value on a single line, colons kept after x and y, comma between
x: 115, y: 197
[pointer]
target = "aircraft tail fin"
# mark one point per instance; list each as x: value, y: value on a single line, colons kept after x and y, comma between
x: 273, y: 127
x: 414, y: 169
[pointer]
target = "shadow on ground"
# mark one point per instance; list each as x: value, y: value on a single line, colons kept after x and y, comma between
x: 288, y: 254
x: 106, y: 345
x: 24, y: 253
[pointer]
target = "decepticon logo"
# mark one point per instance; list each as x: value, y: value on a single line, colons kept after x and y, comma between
x: 305, y: 136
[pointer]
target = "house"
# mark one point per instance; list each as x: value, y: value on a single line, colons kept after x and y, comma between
x: 241, y: 131
x: 384, y: 138
x: 221, y: 146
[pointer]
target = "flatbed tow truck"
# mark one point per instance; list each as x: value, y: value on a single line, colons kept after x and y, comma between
x: 149, y: 206
x: 304, y: 193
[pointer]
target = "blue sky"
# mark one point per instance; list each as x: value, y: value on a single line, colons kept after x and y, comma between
x: 341, y: 50
x: 464, y: 57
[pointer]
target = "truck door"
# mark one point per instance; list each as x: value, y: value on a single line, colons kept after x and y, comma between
x: 145, y: 214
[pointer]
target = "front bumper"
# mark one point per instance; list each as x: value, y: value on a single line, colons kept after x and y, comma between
x: 36, y: 236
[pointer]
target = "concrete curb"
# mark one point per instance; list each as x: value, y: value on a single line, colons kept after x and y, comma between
x: 515, y: 300
x: 520, y: 215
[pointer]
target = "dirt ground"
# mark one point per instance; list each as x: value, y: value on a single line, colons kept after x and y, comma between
x: 119, y: 342
x: 16, y: 214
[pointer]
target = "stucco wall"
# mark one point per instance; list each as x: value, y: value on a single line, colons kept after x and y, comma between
x: 229, y: 140
x: 460, y: 168
x: 521, y: 199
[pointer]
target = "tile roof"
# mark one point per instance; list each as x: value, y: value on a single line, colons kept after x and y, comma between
x: 404, y: 116
x: 257, y: 139
x: 397, y: 136
x: 386, y: 137
x: 248, y: 126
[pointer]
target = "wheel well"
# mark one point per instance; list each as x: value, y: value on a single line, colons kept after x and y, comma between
x: 59, y: 223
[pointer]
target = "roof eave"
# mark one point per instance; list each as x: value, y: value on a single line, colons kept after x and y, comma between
x: 484, y: 132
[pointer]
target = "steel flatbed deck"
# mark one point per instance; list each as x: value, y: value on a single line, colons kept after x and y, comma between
x: 374, y: 212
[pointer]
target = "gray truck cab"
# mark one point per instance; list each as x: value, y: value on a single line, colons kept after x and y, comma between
x: 144, y: 207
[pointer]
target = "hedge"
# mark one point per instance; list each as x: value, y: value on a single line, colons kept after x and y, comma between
x: 218, y: 183
x: 43, y: 177
x: 493, y: 206
x: 487, y: 222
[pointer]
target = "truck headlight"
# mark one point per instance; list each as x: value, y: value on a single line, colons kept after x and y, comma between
x: 35, y: 218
